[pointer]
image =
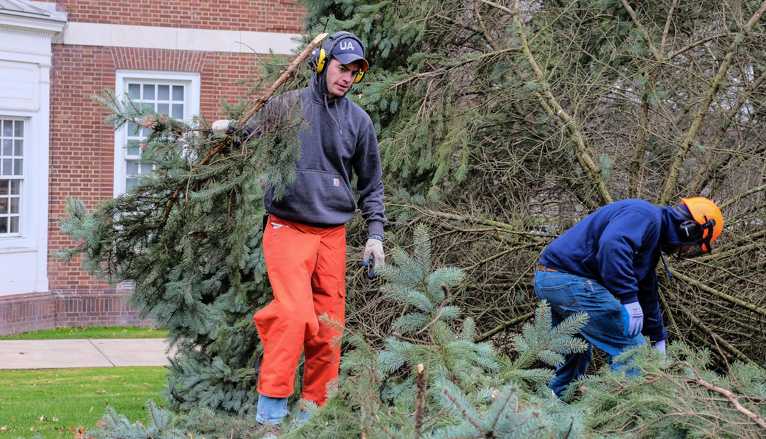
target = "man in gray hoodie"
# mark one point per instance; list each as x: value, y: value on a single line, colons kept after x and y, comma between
x: 304, y: 241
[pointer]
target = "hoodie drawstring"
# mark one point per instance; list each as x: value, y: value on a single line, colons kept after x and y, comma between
x: 327, y: 107
x: 670, y: 275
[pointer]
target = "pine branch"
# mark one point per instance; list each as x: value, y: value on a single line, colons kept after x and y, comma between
x: 754, y: 190
x: 508, y: 324
x: 703, y: 174
x: 734, y: 399
x: 720, y: 294
x: 644, y: 33
x: 462, y: 410
x: 736, y: 248
x: 438, y: 314
x: 505, y: 227
x: 669, y: 188
x: 583, y: 155
x: 704, y: 328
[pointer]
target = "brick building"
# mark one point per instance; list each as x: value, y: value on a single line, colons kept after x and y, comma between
x: 180, y: 56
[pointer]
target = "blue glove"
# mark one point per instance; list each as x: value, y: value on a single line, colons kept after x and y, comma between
x: 632, y: 319
x: 660, y: 346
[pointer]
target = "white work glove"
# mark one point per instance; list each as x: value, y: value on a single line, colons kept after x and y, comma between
x: 632, y: 319
x: 374, y: 249
x: 221, y: 125
x: 660, y: 346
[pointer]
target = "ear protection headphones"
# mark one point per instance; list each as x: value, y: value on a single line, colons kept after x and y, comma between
x: 320, y: 57
x: 692, y: 231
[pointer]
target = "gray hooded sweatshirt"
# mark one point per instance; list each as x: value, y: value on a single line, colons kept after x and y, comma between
x: 337, y: 139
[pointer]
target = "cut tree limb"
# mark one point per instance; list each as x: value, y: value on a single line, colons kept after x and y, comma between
x: 733, y: 399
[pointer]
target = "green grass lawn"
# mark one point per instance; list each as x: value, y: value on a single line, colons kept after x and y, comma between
x: 79, y: 332
x: 47, y: 402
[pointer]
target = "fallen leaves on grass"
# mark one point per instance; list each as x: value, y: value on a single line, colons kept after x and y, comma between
x: 79, y: 432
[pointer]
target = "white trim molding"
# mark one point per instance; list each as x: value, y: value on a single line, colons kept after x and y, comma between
x: 205, y: 40
x: 42, y: 19
x: 25, y: 58
x: 192, y: 85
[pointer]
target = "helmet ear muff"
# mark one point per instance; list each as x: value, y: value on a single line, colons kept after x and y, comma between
x: 690, y: 230
x: 359, y: 77
x: 317, y: 60
x: 321, y: 61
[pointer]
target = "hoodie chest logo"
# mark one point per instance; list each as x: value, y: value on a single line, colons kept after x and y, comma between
x: 336, y: 182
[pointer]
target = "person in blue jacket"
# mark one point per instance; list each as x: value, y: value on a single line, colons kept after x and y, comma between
x: 605, y: 266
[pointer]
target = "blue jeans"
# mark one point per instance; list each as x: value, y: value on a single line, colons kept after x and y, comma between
x: 271, y: 410
x: 568, y: 294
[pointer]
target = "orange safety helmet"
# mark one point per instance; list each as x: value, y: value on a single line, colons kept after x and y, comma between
x: 708, y: 218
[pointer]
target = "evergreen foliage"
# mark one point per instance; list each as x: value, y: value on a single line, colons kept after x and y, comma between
x: 465, y: 392
x: 188, y: 235
x: 677, y: 395
x: 161, y: 426
x: 500, y: 126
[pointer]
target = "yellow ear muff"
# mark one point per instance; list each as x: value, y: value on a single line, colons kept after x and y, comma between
x: 322, y: 60
x: 359, y: 77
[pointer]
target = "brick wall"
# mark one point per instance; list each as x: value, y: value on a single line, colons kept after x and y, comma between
x: 33, y: 312
x: 82, y: 166
x: 82, y: 145
x: 282, y: 16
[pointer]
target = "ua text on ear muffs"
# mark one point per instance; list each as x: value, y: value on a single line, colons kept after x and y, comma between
x: 320, y: 57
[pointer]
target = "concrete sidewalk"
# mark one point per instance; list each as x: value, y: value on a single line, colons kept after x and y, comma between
x: 58, y: 354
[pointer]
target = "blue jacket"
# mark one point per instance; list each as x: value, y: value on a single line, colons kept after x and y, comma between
x: 619, y: 247
x: 337, y: 139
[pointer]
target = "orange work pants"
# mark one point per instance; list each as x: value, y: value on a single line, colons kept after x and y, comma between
x: 307, y: 272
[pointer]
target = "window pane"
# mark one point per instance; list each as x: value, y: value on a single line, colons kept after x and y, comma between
x: 14, y: 224
x: 132, y: 147
x: 19, y: 129
x: 7, y: 167
x: 178, y: 92
x: 130, y: 183
x: 4, y: 225
x: 148, y: 92
x: 15, y: 205
x: 134, y: 91
x: 18, y: 167
x: 3, y: 187
x: 7, y: 128
x: 163, y: 92
x: 7, y: 147
x: 163, y: 109
x: 3, y: 206
x: 132, y: 167
x: 178, y: 111
x: 15, y: 187
x: 18, y: 147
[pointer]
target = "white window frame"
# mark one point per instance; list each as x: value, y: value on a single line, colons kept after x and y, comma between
x: 34, y: 185
x: 190, y: 80
x: 23, y: 179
